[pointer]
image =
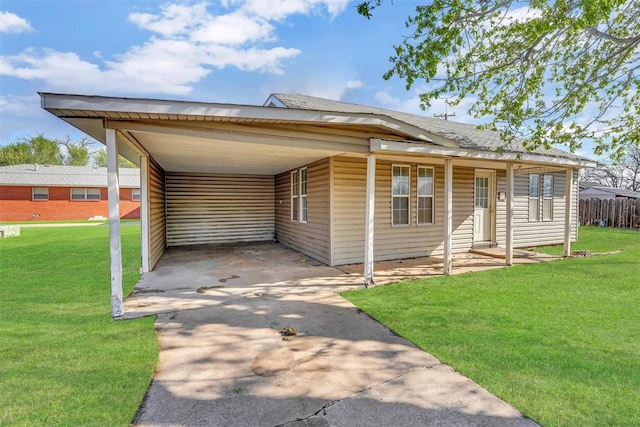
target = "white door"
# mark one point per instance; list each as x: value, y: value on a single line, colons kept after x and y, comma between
x: 482, y: 206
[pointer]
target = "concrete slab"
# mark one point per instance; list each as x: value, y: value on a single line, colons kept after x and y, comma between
x: 501, y: 253
x: 224, y: 362
x: 193, y: 277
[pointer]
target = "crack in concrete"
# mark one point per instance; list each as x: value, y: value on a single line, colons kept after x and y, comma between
x: 334, y: 402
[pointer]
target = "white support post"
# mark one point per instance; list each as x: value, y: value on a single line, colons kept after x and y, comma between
x: 369, y: 220
x: 117, y: 307
x: 509, y: 237
x: 568, y: 191
x: 448, y: 214
x: 144, y: 213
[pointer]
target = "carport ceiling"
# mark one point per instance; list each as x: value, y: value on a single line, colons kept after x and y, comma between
x: 206, y: 155
x: 193, y: 154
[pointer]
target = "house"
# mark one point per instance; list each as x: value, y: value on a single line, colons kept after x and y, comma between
x: 48, y: 192
x: 339, y: 182
x: 607, y: 193
x: 583, y: 185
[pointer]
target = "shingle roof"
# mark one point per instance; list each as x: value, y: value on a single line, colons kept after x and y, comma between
x: 617, y: 191
x: 467, y: 135
x: 65, y: 176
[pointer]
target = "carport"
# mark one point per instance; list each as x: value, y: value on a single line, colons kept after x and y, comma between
x: 208, y: 170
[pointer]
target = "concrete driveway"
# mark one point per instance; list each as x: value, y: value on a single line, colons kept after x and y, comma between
x: 224, y: 362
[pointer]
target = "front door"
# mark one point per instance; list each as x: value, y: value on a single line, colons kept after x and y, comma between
x: 483, y: 207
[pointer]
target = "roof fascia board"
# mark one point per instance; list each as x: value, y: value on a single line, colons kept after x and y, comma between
x: 537, y: 169
x: 236, y: 136
x: 52, y: 101
x: 380, y: 145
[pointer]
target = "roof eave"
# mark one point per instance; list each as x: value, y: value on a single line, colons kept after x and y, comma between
x: 381, y: 145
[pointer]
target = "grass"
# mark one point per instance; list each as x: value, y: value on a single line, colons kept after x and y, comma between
x: 63, y: 360
x: 560, y: 341
x: 65, y: 221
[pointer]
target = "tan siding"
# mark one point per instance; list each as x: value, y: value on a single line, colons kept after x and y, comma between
x: 215, y: 209
x: 463, y: 187
x: 311, y: 238
x: 534, y: 233
x: 396, y: 242
x: 157, y: 220
x: 501, y: 209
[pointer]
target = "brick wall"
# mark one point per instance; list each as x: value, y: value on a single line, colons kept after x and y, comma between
x: 16, y: 204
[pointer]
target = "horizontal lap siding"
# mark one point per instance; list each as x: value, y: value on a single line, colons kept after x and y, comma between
x: 311, y: 238
x: 534, y: 233
x: 217, y: 208
x: 157, y: 219
x: 396, y: 242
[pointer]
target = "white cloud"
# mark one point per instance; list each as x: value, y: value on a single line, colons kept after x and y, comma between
x: 279, y: 9
x: 353, y: 84
x: 174, y: 19
x: 385, y: 99
x: 235, y: 28
x: 20, y: 105
x: 186, y: 44
x: 12, y: 23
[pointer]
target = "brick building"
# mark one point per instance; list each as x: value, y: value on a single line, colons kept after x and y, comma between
x: 45, y: 193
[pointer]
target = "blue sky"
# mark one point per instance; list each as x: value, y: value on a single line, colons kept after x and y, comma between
x: 230, y: 51
x: 236, y: 51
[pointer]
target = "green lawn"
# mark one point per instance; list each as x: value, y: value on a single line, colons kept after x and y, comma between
x: 560, y: 341
x: 63, y: 360
x: 66, y: 221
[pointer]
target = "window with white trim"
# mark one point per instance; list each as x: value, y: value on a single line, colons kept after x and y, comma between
x: 85, y: 194
x: 400, y: 186
x: 40, y: 193
x: 540, y: 197
x: 303, y: 195
x: 534, y: 197
x: 547, y: 197
x: 135, y: 194
x: 425, y: 195
x: 294, y: 195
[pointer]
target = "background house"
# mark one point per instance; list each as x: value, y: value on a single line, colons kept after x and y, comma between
x: 608, y: 207
x: 47, y: 192
x: 606, y: 193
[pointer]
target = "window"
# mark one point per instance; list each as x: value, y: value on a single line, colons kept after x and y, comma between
x: 540, y: 197
x: 534, y: 197
x: 482, y: 192
x: 400, y: 195
x: 303, y: 195
x: 40, y: 193
x: 85, y: 194
x: 135, y: 194
x: 425, y: 195
x: 547, y: 197
x: 294, y: 196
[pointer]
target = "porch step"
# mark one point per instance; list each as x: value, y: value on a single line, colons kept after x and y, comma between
x: 484, y: 245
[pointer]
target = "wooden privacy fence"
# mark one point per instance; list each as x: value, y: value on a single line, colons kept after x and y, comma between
x: 619, y: 213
